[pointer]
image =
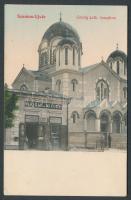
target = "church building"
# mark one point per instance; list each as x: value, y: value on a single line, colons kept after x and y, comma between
x: 64, y: 104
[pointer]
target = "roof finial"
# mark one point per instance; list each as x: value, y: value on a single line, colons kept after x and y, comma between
x: 23, y: 65
x: 117, y: 46
x: 60, y: 16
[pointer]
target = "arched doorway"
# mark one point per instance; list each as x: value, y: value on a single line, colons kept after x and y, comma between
x: 116, y: 126
x: 104, y: 122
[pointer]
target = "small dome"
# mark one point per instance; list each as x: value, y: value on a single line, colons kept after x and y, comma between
x: 61, y: 29
x: 117, y: 53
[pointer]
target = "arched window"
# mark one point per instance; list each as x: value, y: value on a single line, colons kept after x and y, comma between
x: 117, y: 67
x: 23, y: 87
x: 74, y: 82
x: 54, y: 56
x: 58, y: 84
x: 44, y: 58
x: 98, y: 93
x: 111, y: 65
x: 124, y: 69
x: 102, y: 90
x: 73, y: 56
x: 74, y: 116
x: 79, y: 57
x: 50, y: 56
x: 66, y: 56
x: 125, y: 92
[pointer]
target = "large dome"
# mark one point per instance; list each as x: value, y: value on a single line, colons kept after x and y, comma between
x: 61, y: 29
x: 117, y: 53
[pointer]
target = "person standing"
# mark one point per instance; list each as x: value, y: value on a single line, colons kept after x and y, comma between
x: 109, y: 140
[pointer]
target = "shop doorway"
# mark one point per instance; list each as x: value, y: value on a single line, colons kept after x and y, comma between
x: 31, y: 134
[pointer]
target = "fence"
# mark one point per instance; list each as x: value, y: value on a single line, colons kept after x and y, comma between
x: 97, y: 140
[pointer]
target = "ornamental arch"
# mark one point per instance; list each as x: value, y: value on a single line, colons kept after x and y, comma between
x: 105, y: 119
x: 90, y: 117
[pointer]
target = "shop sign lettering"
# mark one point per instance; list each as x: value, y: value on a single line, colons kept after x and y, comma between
x: 39, y: 104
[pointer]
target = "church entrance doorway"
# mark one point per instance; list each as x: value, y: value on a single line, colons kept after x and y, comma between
x: 104, y: 123
x: 104, y: 126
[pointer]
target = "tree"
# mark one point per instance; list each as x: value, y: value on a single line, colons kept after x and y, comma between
x: 10, y: 101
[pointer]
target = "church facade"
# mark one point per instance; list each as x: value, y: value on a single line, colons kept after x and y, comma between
x: 79, y: 103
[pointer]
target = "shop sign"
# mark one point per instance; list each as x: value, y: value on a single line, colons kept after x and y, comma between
x: 40, y: 104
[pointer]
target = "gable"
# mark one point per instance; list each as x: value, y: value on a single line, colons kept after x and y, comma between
x: 98, y: 66
x: 24, y: 77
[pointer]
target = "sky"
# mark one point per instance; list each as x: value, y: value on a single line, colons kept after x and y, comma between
x: 98, y: 36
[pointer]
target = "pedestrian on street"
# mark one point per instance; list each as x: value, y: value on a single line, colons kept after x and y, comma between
x: 109, y: 140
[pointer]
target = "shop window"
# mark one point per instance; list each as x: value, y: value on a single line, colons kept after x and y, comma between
x: 102, y: 90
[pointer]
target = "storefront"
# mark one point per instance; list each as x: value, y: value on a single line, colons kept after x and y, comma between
x: 40, y: 123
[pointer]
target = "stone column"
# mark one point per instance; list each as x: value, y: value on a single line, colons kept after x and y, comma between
x: 111, y: 122
x: 47, y: 137
x: 98, y: 124
x: 85, y: 124
x: 123, y: 126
